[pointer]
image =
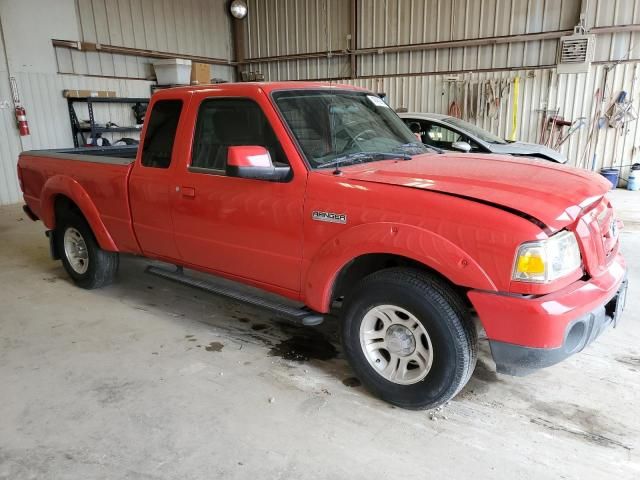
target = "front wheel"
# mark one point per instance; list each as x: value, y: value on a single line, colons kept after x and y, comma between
x: 408, y: 337
x: 86, y: 263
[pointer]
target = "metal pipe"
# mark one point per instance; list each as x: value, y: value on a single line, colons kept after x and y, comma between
x: 137, y: 52
x: 497, y: 40
x: 475, y: 42
x: 353, y: 44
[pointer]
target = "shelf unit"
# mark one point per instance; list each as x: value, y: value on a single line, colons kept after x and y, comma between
x: 78, y: 131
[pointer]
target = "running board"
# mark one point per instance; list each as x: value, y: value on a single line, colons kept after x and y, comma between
x: 302, y: 316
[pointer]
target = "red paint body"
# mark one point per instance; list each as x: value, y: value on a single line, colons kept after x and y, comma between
x: 463, y: 216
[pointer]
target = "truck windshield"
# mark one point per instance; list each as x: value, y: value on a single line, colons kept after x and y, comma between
x: 345, y: 127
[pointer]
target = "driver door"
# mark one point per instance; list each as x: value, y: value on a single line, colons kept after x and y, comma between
x: 239, y: 227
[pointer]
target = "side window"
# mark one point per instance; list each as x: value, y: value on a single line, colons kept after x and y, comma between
x: 161, y: 133
x: 227, y: 122
x: 439, y: 136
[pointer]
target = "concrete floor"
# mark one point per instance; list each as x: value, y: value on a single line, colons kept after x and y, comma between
x: 146, y: 379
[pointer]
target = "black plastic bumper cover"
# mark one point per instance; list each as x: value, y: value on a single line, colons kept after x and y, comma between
x: 519, y: 360
x: 29, y: 213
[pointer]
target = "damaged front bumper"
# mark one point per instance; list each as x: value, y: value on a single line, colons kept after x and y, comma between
x: 528, y: 333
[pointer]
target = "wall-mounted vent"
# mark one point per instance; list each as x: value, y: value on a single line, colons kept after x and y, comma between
x: 575, y: 53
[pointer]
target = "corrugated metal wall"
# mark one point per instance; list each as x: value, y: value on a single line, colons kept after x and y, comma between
x: 49, y: 118
x: 196, y: 27
x: 412, y: 81
x: 9, y: 140
x: 280, y: 27
x: 539, y: 90
x: 398, y: 22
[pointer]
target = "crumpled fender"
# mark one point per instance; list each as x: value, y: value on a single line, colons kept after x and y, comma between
x: 423, y: 246
x: 67, y: 186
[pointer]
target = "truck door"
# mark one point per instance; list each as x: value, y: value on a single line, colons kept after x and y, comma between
x: 151, y: 180
x: 245, y: 228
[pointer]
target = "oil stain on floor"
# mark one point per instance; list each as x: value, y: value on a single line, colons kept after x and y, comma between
x: 304, y: 346
x: 351, y: 382
x: 214, y: 347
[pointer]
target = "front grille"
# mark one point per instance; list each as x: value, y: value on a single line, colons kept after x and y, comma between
x: 603, y: 232
x: 607, y: 229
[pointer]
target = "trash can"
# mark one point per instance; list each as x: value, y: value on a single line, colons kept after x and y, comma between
x: 633, y: 182
x: 611, y: 174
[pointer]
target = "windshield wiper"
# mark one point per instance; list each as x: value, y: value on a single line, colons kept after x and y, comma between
x: 417, y: 145
x: 362, y: 157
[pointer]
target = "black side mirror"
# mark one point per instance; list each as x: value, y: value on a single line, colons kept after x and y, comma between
x: 254, y: 162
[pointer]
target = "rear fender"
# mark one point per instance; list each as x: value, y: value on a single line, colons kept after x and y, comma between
x: 422, y: 246
x: 67, y: 186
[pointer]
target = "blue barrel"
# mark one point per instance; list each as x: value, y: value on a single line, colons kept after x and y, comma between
x: 612, y: 175
x: 633, y: 183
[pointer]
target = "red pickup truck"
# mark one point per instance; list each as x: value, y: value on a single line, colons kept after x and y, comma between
x: 320, y: 194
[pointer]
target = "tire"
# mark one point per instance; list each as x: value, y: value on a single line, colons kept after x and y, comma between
x: 428, y: 357
x: 86, y: 263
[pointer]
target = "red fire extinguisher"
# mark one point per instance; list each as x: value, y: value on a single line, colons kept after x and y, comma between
x: 21, y: 120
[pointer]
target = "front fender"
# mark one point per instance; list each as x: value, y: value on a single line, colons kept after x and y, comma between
x: 67, y: 186
x: 423, y: 246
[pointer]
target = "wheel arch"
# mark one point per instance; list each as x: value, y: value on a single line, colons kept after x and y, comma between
x: 62, y: 193
x: 367, y: 248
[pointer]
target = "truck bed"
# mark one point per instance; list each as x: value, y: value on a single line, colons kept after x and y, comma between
x: 100, y: 173
x: 121, y: 155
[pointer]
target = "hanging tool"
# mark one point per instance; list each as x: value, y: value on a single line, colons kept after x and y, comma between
x: 620, y: 111
x: 514, y: 117
x: 573, y: 128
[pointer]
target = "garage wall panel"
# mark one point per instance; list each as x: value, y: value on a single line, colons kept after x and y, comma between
x: 615, y: 46
x: 48, y: 113
x: 196, y: 27
x: 9, y: 139
x: 280, y: 27
x: 396, y: 22
x: 540, y: 90
x: 200, y: 27
x: 412, y: 81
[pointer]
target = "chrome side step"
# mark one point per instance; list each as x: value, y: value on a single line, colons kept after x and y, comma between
x: 302, y: 316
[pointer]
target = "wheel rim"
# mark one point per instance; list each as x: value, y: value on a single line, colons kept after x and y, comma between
x: 75, y: 249
x: 396, y: 344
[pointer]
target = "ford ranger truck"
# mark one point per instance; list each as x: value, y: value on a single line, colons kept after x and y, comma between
x: 320, y: 197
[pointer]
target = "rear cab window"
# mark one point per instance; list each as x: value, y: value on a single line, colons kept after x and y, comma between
x: 160, y: 135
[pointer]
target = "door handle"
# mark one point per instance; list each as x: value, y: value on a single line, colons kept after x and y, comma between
x: 189, y: 192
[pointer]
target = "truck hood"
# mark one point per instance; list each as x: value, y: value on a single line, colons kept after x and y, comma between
x: 547, y: 193
x: 523, y: 148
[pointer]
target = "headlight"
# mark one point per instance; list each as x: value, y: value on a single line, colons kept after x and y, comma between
x: 543, y: 261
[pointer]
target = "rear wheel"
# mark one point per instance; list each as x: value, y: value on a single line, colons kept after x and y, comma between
x: 86, y: 263
x: 408, y: 337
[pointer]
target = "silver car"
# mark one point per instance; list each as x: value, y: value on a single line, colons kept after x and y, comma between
x: 450, y: 133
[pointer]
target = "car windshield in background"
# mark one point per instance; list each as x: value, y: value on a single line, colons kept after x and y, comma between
x: 473, y: 130
x: 345, y: 127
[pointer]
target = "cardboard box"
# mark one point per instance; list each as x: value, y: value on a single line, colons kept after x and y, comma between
x: 200, y: 73
x: 87, y: 93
